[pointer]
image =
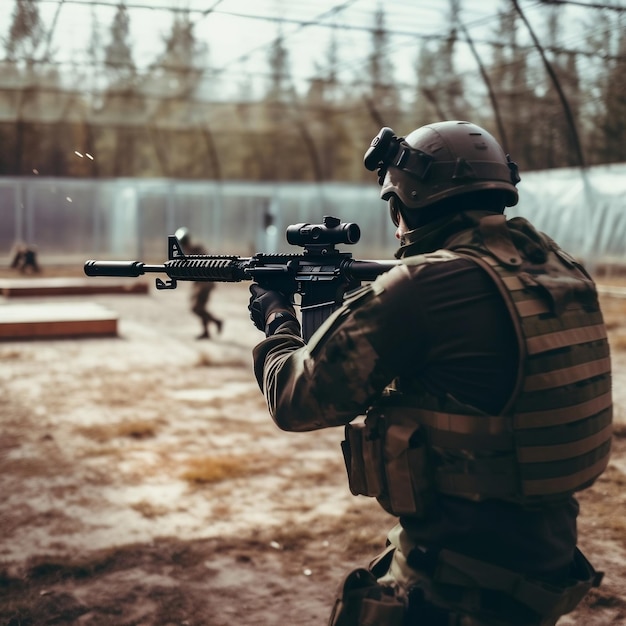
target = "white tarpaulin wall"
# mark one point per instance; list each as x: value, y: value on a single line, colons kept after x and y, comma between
x: 585, y: 212
x: 74, y: 219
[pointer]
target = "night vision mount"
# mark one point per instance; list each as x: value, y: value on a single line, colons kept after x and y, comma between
x: 387, y: 149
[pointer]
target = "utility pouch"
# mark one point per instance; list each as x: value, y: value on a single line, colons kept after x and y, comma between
x: 387, y: 458
x: 361, y: 601
x: 406, y: 467
x: 363, y: 458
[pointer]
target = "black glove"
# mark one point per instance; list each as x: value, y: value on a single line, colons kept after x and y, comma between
x: 264, y: 302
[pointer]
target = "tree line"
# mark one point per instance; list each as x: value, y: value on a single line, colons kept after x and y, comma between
x: 549, y: 106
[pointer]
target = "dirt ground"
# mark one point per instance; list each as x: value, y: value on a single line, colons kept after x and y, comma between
x: 144, y: 483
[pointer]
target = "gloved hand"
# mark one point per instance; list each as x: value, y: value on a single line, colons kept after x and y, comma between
x: 266, y: 303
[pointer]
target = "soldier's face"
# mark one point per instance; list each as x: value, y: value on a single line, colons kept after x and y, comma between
x: 397, y: 219
x: 401, y: 230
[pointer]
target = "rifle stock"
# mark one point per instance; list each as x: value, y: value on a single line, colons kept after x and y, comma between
x: 321, y: 275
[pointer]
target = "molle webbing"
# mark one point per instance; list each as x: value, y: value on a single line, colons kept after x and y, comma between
x: 555, y: 437
x: 551, y: 439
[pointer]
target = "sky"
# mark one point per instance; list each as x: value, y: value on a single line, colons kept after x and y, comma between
x: 239, y: 33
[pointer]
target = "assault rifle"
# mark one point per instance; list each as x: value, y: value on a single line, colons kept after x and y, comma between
x: 321, y: 275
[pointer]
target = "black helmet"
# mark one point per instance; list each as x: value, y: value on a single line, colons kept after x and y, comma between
x: 441, y: 160
x: 182, y: 234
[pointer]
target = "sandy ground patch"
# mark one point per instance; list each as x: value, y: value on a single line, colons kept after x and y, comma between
x: 144, y: 482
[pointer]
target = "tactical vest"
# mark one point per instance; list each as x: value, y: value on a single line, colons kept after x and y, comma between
x: 553, y: 437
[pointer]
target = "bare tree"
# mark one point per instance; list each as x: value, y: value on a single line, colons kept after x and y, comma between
x: 278, y: 59
x: 509, y: 74
x: 324, y: 87
x: 382, y: 97
x: 178, y: 75
x: 428, y: 104
x: 324, y: 112
x: 608, y: 89
x: 452, y: 82
x: 118, y: 56
x: 560, y: 144
x: 279, y: 131
x: 123, y: 105
x: 27, y: 32
x: 440, y: 91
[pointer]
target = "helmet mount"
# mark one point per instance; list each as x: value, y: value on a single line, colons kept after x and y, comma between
x: 387, y: 150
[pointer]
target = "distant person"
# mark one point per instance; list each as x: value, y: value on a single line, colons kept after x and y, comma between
x: 24, y: 259
x: 200, y: 290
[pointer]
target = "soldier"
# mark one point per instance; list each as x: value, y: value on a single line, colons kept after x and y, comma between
x: 482, y: 365
x: 200, y: 290
x: 24, y: 258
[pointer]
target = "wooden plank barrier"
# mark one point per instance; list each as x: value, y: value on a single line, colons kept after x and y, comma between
x: 15, y: 287
x: 56, y: 321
